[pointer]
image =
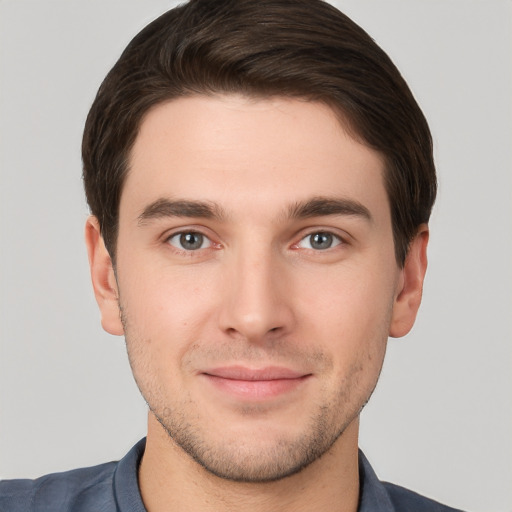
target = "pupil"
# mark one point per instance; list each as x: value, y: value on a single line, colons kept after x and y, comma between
x: 321, y: 240
x: 191, y: 240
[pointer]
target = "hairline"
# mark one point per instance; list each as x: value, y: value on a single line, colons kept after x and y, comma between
x: 341, y: 116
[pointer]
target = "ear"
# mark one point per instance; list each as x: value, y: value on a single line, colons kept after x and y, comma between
x: 103, y: 278
x: 410, y: 285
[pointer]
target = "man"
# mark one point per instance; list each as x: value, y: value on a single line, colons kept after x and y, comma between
x: 260, y: 180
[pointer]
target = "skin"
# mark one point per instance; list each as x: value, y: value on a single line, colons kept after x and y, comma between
x: 256, y: 348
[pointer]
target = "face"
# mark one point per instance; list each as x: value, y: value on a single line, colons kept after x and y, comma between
x: 256, y: 279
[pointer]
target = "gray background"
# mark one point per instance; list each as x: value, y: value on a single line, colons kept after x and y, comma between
x: 440, y: 421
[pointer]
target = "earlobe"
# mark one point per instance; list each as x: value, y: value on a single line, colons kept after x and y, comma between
x: 103, y: 278
x: 410, y: 286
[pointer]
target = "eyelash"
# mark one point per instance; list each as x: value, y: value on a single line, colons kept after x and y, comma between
x: 179, y: 236
x: 331, y: 239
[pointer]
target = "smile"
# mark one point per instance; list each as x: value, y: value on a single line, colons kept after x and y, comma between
x: 255, y: 384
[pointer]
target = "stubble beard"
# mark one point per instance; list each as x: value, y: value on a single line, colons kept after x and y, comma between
x: 231, y: 460
x: 245, y: 461
x: 238, y: 460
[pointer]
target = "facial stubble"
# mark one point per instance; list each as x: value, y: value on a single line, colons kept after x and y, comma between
x: 242, y: 460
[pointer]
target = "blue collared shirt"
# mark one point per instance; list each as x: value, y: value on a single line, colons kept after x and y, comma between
x: 113, y: 487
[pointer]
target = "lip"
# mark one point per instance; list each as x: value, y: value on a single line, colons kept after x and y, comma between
x: 255, y: 383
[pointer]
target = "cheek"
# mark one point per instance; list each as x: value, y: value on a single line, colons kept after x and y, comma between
x: 166, y: 311
x: 350, y: 311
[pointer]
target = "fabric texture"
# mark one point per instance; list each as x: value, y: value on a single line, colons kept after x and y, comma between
x: 113, y: 487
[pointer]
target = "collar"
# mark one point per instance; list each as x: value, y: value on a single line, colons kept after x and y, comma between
x: 373, y: 496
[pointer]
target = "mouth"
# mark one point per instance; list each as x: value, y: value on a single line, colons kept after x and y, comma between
x: 255, y: 383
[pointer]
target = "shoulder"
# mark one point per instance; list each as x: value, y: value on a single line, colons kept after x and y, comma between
x: 75, y: 490
x: 107, y: 488
x: 404, y: 500
x: 386, y: 497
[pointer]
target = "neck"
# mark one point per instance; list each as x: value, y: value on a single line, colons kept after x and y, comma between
x: 170, y: 479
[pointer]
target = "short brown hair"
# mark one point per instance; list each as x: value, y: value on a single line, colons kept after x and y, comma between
x: 295, y: 48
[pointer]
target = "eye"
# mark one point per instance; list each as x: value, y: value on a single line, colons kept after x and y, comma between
x: 319, y: 241
x: 189, y: 241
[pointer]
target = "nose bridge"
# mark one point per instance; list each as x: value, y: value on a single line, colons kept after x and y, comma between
x: 254, y: 304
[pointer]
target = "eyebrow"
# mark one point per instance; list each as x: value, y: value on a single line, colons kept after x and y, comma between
x: 322, y: 206
x: 162, y: 208
x: 315, y: 207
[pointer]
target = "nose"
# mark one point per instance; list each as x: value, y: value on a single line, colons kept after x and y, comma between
x: 257, y: 299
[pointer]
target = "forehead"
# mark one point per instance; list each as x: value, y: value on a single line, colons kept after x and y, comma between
x: 241, y: 152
